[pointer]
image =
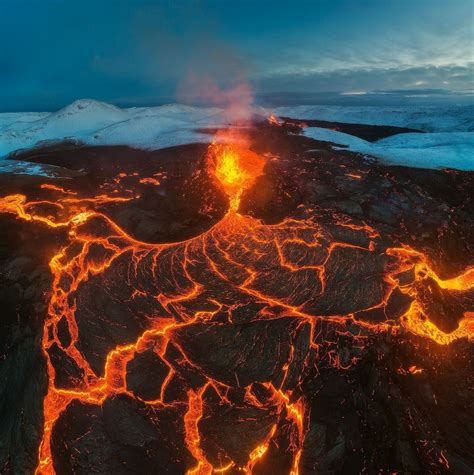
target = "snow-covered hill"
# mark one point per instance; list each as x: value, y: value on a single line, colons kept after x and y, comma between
x: 98, y: 123
x: 449, y: 141
x: 429, y: 150
x: 425, y: 118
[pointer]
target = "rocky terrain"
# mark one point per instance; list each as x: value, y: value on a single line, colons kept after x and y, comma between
x: 323, y: 326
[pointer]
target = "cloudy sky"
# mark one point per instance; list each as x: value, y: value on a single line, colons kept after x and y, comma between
x: 144, y: 51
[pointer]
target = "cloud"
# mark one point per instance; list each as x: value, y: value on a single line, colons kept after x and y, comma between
x: 366, y: 79
x: 130, y: 54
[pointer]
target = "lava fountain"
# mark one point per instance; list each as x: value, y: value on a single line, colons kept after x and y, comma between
x: 236, y: 168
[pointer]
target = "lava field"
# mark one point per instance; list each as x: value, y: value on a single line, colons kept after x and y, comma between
x: 263, y: 305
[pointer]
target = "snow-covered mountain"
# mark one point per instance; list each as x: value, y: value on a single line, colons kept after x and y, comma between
x: 448, y: 141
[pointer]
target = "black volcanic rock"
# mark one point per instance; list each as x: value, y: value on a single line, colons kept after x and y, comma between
x: 237, y: 324
x: 371, y: 133
x: 122, y: 437
x: 146, y: 373
x: 66, y: 372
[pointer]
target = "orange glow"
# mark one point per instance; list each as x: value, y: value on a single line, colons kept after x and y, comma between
x: 230, y: 253
x: 49, y: 186
x: 274, y: 120
x: 193, y: 439
x: 355, y: 176
x: 149, y: 181
x: 417, y: 322
x: 415, y: 370
x: 236, y: 168
x: 415, y: 319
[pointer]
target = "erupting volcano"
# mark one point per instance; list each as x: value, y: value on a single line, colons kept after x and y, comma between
x: 242, y: 348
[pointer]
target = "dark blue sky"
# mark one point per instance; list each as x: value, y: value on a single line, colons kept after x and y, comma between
x: 141, y: 51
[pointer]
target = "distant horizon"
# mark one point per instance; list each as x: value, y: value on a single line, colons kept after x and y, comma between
x: 381, y: 98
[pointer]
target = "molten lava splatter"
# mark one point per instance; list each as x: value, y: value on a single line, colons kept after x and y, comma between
x: 284, y: 269
x: 236, y: 169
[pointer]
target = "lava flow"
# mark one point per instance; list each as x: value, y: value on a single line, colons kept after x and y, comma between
x: 207, y: 343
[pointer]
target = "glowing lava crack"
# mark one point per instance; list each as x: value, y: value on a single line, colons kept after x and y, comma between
x: 197, y: 315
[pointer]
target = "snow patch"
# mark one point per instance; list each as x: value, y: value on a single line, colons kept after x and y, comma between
x: 429, y: 150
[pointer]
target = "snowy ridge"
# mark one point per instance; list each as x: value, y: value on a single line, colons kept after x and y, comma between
x: 425, y: 118
x: 449, y: 141
x: 97, y: 123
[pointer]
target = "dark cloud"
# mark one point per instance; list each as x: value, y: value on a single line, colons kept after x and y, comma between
x: 454, y: 78
x: 131, y: 52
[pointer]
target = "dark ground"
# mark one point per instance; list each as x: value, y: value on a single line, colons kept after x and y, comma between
x: 370, y: 418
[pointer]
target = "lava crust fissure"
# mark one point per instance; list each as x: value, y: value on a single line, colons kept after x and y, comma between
x: 322, y: 338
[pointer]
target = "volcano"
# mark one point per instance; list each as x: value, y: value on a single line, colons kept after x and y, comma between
x: 272, y: 306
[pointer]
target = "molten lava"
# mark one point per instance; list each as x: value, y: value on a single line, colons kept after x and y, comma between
x: 236, y: 169
x: 240, y: 277
x: 273, y: 120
